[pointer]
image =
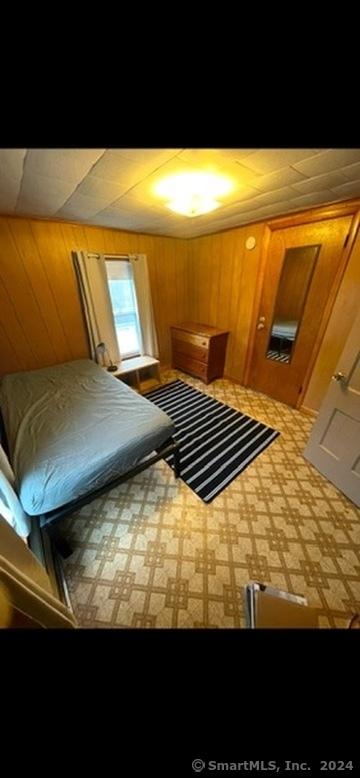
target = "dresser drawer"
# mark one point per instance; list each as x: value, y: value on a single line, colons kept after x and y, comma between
x: 189, y: 365
x: 198, y: 349
x: 188, y: 337
x: 190, y: 350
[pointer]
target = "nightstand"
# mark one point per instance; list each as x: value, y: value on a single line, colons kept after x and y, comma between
x: 141, y: 373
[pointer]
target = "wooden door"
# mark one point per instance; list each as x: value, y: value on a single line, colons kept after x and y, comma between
x: 334, y: 444
x: 300, y: 272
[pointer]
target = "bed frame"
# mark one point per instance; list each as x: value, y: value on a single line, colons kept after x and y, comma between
x: 48, y: 521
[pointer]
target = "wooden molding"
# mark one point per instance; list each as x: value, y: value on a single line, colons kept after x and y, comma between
x: 256, y: 305
x: 331, y: 211
x: 86, y: 224
x: 330, y: 303
x: 233, y: 380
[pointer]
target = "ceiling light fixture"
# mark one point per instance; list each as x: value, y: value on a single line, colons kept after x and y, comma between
x: 192, y: 194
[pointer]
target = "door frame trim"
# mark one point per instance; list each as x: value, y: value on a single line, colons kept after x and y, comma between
x: 256, y: 304
x: 331, y: 211
x: 317, y: 214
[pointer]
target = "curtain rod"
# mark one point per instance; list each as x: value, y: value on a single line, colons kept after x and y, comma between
x: 113, y: 257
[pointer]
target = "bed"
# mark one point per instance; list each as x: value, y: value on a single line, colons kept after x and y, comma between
x: 284, y: 329
x: 283, y: 334
x: 74, y: 431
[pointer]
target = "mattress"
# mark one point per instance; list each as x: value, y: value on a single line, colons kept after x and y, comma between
x: 283, y: 328
x: 72, y: 428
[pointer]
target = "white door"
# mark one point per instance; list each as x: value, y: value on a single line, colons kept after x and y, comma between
x: 334, y: 444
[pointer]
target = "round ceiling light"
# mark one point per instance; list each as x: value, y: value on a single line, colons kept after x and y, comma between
x: 192, y: 194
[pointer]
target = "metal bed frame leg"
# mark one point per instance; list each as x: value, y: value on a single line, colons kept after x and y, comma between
x: 177, y: 463
x: 61, y: 544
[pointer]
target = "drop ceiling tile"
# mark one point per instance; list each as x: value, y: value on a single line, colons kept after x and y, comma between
x: 11, y: 163
x: 287, y: 176
x: 270, y: 160
x: 222, y: 223
x: 230, y: 210
x: 8, y: 199
x: 117, y: 221
x: 109, y: 211
x: 115, y: 188
x: 225, y: 224
x: 242, y: 219
x: 133, y: 205
x: 81, y: 204
x: 313, y: 198
x: 115, y: 168
x: 91, y: 186
x: 51, y: 193
x: 236, y: 154
x: 65, y: 164
x: 241, y: 177
x: 128, y: 203
x: 332, y: 159
x: 319, y: 183
x: 144, y: 190
x: 9, y: 192
x: 276, y: 196
x: 241, y: 194
x: 148, y: 156
x: 42, y: 186
x: 200, y: 158
x: 351, y: 172
x: 351, y: 189
x: 239, y: 207
x: 39, y: 206
x: 33, y: 210
x: 273, y: 209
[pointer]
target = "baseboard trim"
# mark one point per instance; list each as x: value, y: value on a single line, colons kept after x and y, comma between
x: 234, y: 380
x: 308, y: 411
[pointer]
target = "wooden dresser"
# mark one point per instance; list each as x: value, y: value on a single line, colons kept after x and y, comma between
x: 199, y: 350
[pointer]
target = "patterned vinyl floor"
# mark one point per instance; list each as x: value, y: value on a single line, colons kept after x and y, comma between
x: 150, y: 553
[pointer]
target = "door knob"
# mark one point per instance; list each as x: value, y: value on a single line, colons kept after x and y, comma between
x: 260, y: 326
x: 340, y: 377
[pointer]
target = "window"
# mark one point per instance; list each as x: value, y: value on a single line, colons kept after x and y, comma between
x: 124, y: 306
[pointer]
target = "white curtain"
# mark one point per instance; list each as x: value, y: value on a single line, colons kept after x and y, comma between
x: 143, y: 295
x: 91, y: 274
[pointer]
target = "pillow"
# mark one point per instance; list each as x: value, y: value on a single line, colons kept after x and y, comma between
x: 5, y: 467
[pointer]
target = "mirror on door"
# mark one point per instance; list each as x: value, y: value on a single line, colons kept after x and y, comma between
x: 296, y: 274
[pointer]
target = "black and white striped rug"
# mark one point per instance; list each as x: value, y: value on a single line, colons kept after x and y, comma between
x: 279, y: 357
x: 217, y: 442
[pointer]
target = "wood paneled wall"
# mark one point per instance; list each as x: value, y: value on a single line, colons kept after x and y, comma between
x: 211, y: 280
x: 41, y: 320
x: 223, y: 276
x: 344, y: 311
